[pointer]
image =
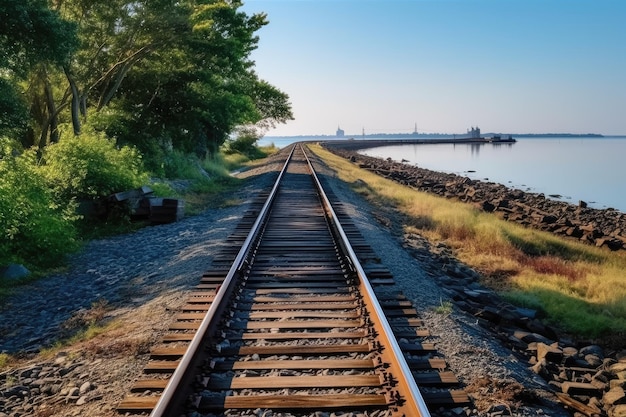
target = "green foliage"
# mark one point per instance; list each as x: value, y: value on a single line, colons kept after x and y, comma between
x: 244, y: 144
x: 31, y: 33
x: 34, y: 229
x: 164, y: 74
x: 177, y: 164
x: 13, y: 113
x: 90, y: 166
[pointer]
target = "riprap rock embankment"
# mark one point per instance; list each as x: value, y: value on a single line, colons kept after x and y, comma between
x: 606, y: 227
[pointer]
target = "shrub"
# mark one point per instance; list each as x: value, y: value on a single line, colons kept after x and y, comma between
x: 34, y: 229
x: 90, y: 166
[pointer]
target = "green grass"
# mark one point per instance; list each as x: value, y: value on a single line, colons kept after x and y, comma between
x: 579, y: 288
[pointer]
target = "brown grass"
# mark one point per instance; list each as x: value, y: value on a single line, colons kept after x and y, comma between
x: 580, y: 288
x: 551, y: 265
x: 488, y: 392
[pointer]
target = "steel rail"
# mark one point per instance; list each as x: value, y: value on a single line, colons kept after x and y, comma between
x: 406, y: 378
x: 162, y: 406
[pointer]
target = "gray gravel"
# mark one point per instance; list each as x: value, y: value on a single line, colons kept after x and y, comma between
x: 471, y: 352
x: 127, y: 270
x: 131, y: 270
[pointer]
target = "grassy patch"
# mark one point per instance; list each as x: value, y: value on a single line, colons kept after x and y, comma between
x: 580, y: 288
x: 5, y: 360
x: 444, y: 308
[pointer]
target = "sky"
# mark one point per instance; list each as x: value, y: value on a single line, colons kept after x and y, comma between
x: 385, y: 66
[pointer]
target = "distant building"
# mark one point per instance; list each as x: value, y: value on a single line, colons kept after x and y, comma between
x: 474, y: 133
x: 340, y: 132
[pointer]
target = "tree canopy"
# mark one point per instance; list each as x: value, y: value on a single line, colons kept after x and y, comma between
x: 157, y: 74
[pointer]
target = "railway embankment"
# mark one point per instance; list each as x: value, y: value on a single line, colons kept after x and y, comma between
x: 599, y: 227
x: 588, y: 376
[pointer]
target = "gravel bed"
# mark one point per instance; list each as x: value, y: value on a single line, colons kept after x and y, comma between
x: 143, y: 276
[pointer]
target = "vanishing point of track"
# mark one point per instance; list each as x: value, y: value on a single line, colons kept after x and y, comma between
x: 297, y: 317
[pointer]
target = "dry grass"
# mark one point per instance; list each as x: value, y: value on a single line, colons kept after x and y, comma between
x: 488, y: 392
x: 579, y: 287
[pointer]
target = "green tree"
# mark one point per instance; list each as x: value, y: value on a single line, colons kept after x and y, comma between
x: 31, y: 37
x: 192, y: 96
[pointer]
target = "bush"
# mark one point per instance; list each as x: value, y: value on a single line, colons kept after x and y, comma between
x: 90, y: 166
x: 34, y: 229
x: 245, y: 144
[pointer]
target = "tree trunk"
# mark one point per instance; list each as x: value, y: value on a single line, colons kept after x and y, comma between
x: 75, y: 107
x: 52, y: 124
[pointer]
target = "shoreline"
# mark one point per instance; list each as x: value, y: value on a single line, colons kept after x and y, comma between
x: 358, y: 144
x: 599, y: 227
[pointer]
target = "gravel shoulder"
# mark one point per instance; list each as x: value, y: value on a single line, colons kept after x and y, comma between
x: 142, y: 277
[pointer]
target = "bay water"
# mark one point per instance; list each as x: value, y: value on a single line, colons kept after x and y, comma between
x: 567, y: 168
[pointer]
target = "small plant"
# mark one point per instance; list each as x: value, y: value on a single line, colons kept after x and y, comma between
x: 444, y: 307
x: 4, y: 360
x: 10, y: 381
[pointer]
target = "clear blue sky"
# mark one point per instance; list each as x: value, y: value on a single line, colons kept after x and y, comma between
x: 509, y: 66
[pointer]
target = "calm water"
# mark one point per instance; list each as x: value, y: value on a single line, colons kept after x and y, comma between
x: 589, y: 169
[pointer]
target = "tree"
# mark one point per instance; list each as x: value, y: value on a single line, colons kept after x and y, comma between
x: 204, y: 86
x: 32, y: 37
x: 158, y: 74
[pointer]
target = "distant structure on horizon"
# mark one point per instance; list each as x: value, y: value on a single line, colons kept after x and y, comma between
x: 474, y: 132
x: 340, y: 132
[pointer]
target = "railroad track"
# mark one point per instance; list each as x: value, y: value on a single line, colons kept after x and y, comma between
x: 288, y: 321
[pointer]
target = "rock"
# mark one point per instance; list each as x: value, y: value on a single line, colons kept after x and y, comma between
x: 618, y: 411
x: 84, y: 388
x: 14, y: 272
x: 592, y: 350
x: 550, y: 353
x: 615, y: 395
x: 580, y: 388
x: 593, y: 360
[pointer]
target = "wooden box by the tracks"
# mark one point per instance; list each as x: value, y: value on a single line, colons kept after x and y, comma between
x: 165, y: 210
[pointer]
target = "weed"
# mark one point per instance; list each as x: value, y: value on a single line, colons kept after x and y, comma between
x: 4, y: 360
x: 444, y: 308
x: 11, y: 380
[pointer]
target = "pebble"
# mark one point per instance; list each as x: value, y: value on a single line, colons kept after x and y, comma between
x: 122, y: 272
x: 109, y: 270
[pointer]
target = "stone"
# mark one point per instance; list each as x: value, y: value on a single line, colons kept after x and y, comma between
x: 615, y: 395
x: 618, y: 411
x: 550, y: 353
x: 592, y: 350
x: 84, y: 388
x: 580, y: 388
x: 593, y: 360
x: 14, y: 272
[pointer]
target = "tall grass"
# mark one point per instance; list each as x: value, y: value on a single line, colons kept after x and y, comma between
x: 578, y: 287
